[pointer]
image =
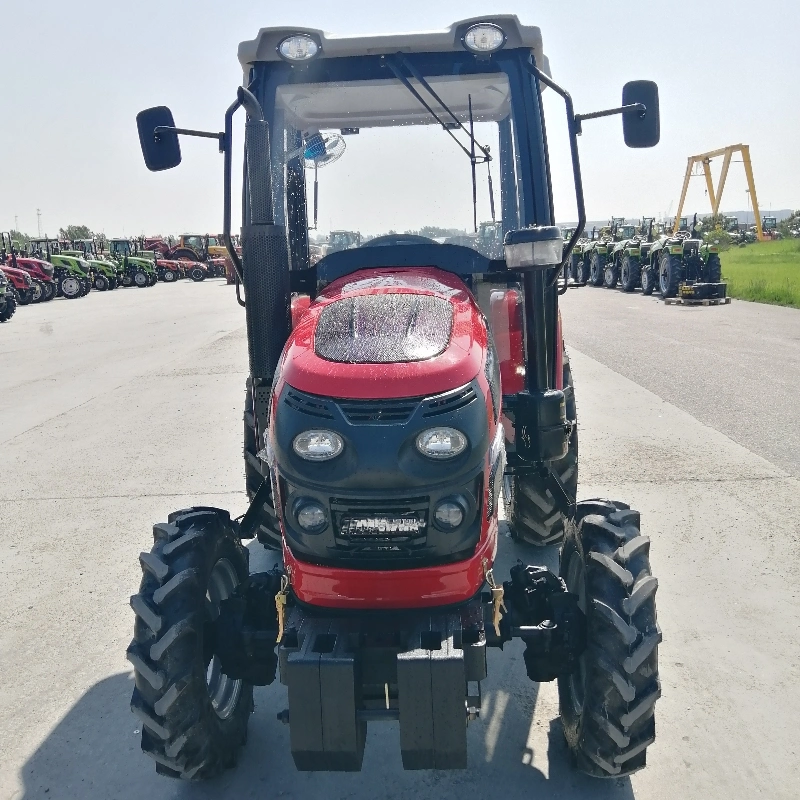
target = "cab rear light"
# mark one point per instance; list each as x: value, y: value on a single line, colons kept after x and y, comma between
x: 507, y: 321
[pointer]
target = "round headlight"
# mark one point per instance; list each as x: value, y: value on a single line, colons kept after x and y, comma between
x: 484, y: 38
x: 299, y: 47
x: 311, y: 516
x: 441, y: 443
x: 449, y: 514
x: 318, y: 445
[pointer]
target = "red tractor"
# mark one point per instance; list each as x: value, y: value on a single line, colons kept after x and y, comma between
x: 40, y: 272
x: 397, y: 390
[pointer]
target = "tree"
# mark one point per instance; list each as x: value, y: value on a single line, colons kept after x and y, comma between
x: 72, y: 232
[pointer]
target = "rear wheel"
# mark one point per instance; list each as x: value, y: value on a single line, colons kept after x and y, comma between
x: 531, y: 511
x: 597, y: 265
x: 607, y: 704
x: 194, y: 718
x: 629, y: 273
x: 712, y: 271
x: 669, y: 274
x: 185, y: 252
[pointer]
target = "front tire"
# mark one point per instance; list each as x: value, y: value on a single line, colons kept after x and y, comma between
x: 141, y: 279
x: 531, y: 511
x: 8, y: 305
x: 582, y: 272
x: 169, y: 276
x: 597, y: 265
x: 197, y: 274
x: 611, y: 275
x: 49, y: 291
x: 194, y: 718
x: 648, y: 280
x: 70, y: 287
x: 607, y: 704
x: 101, y: 283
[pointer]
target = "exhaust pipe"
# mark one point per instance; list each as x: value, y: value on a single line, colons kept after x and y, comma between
x: 265, y: 255
x: 265, y: 266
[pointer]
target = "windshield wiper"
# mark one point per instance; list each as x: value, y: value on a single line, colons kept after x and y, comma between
x: 484, y: 158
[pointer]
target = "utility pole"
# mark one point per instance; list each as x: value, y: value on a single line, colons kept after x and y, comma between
x: 39, y: 221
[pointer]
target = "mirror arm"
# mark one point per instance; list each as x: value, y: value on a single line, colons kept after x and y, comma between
x: 220, y: 137
x: 633, y: 108
x: 573, y: 124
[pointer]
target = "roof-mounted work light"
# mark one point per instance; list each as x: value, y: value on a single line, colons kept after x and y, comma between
x: 298, y: 48
x: 484, y: 38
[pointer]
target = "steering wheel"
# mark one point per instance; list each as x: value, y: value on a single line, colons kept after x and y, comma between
x: 391, y: 239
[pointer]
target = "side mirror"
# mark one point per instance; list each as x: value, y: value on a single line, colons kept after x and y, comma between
x: 641, y: 129
x: 161, y: 149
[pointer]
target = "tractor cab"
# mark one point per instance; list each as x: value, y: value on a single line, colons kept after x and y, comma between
x: 400, y: 390
x: 342, y: 240
x: 490, y: 239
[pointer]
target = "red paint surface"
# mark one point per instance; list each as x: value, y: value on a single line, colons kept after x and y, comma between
x: 426, y: 587
x: 460, y: 362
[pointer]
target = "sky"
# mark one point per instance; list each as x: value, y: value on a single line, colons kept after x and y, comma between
x: 74, y: 75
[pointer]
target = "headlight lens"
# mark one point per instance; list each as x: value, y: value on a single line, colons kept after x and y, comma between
x: 441, y: 443
x: 298, y: 48
x: 484, y: 38
x: 449, y: 514
x: 311, y: 516
x: 318, y: 445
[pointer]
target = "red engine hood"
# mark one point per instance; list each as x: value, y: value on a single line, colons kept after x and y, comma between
x: 456, y: 358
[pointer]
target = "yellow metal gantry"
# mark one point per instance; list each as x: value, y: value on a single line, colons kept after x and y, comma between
x: 715, y: 195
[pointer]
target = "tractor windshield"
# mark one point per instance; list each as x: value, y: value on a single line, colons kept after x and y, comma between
x: 354, y: 138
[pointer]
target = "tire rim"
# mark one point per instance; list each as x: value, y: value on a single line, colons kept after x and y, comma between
x: 168, y: 276
x: 663, y: 275
x: 223, y: 691
x: 576, y: 584
x: 70, y: 286
x: 38, y: 292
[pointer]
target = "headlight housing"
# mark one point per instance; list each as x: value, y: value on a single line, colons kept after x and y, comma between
x: 310, y: 515
x: 318, y: 445
x: 449, y: 514
x: 441, y: 443
x: 484, y: 38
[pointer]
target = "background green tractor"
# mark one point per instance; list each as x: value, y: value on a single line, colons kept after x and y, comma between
x: 133, y: 268
x: 76, y: 276
x: 595, y: 254
x: 684, y: 265
x: 104, y: 273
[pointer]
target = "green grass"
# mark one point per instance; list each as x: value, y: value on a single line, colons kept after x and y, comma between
x: 765, y: 272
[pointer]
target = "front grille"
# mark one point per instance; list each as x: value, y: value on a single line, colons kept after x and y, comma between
x: 449, y: 402
x: 371, y: 412
x: 308, y: 404
x: 375, y: 529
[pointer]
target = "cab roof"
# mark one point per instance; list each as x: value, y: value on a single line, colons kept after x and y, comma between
x: 265, y: 46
